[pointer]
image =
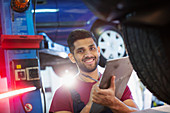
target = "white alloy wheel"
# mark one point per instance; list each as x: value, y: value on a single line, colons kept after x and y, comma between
x: 111, y: 44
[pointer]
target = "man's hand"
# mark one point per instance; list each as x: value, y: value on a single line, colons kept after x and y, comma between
x: 105, y: 97
x: 91, y: 93
x: 87, y: 108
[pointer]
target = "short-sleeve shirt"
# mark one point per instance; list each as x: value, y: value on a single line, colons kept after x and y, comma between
x: 62, y: 100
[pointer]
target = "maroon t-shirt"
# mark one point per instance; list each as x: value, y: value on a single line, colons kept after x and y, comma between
x: 62, y: 100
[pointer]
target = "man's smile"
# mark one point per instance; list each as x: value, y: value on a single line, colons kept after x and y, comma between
x: 89, y: 60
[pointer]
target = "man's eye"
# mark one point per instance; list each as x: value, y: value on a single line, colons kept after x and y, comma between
x: 92, y: 48
x: 80, y: 51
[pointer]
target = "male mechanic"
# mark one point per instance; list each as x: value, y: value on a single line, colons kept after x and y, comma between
x: 78, y: 99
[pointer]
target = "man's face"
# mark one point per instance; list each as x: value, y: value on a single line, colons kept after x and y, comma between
x: 86, y: 54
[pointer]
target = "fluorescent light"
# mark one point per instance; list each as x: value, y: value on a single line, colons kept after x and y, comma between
x: 45, y: 10
x: 63, y: 54
x: 16, y: 92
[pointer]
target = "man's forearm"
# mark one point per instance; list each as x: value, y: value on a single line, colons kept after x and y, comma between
x: 120, y: 107
x: 86, y: 109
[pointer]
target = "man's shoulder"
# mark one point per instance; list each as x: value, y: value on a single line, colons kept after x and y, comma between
x: 62, y: 90
x: 62, y: 97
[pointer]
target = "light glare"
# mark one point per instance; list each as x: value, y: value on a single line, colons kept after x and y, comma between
x: 16, y: 92
x: 68, y: 80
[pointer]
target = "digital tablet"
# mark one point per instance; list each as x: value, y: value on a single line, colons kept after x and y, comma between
x: 122, y: 69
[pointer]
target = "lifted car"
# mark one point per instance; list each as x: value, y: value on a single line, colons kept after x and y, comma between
x: 145, y: 26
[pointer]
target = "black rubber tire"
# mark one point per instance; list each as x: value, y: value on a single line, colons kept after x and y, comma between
x: 98, y: 28
x: 149, y: 52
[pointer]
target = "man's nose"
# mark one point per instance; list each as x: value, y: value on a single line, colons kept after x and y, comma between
x: 88, y: 54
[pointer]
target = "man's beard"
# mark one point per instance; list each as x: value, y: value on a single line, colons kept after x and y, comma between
x: 85, y: 68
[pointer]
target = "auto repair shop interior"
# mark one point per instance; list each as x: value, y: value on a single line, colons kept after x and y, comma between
x: 34, y: 59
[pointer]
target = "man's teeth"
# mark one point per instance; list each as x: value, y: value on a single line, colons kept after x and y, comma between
x: 89, y: 60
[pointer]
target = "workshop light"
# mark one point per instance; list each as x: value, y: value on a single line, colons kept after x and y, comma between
x: 45, y: 10
x: 63, y: 54
x: 16, y: 92
x: 20, y: 5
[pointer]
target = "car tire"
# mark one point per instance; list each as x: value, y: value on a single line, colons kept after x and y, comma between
x: 149, y: 52
x: 110, y: 41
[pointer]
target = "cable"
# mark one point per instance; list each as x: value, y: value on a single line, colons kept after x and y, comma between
x: 34, y: 20
x: 44, y: 99
x: 43, y: 92
x: 22, y: 103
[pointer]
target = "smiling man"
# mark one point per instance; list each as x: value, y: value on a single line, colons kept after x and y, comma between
x: 78, y: 99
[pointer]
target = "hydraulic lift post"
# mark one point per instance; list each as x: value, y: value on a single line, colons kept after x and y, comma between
x: 19, y: 46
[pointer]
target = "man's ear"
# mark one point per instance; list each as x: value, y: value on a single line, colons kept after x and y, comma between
x: 71, y: 57
x: 98, y: 48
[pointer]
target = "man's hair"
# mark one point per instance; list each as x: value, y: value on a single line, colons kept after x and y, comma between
x: 77, y: 35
